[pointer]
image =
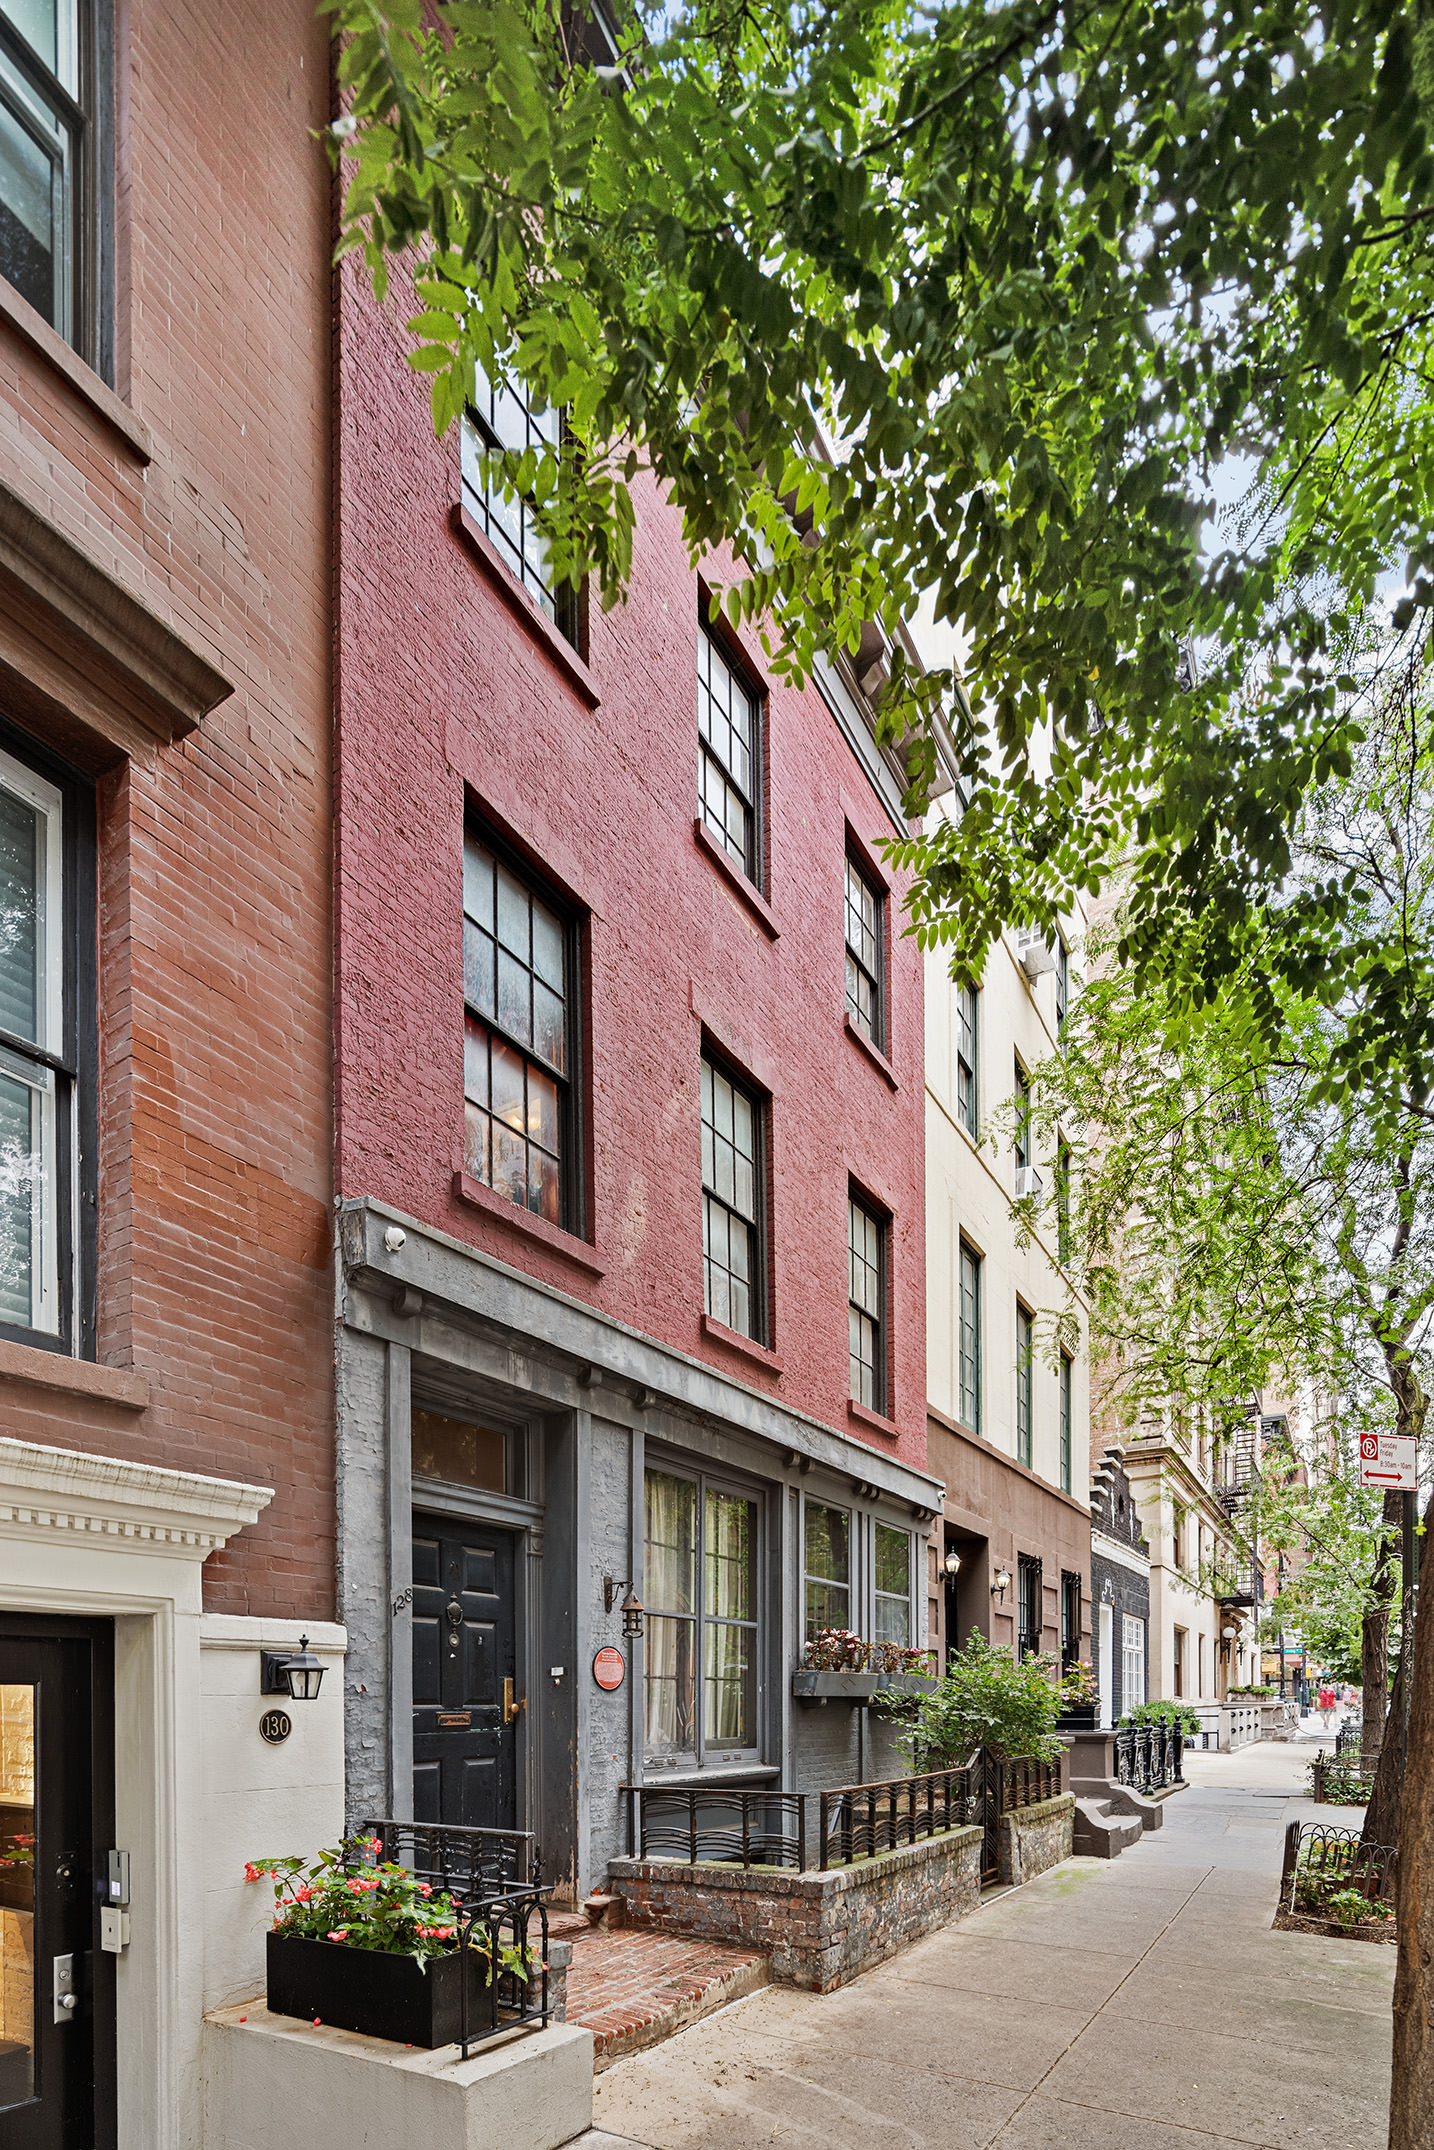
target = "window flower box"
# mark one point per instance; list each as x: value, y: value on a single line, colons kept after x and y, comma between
x: 906, y: 1683
x: 373, y: 1991
x: 812, y: 1686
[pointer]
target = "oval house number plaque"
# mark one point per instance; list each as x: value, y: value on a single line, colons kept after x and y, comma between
x: 609, y: 1668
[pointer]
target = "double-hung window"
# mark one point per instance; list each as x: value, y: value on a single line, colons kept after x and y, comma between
x: 1063, y: 982
x: 1030, y: 1610
x: 866, y: 1304
x: 1025, y: 1373
x: 893, y: 1585
x: 1025, y: 1144
x: 729, y: 757
x: 700, y: 1595
x: 1132, y: 1685
x: 732, y: 1253
x: 968, y: 1339
x: 499, y: 422
x: 968, y: 1102
x: 518, y: 1042
x: 1066, y: 1430
x: 826, y: 1567
x: 47, y: 160
x: 40, y: 1126
x: 864, y: 965
x: 1063, y: 1202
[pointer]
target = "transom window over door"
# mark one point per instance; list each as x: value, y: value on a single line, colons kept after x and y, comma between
x: 826, y: 1567
x: 700, y: 1592
x: 864, y: 964
x: 731, y: 1192
x: 499, y: 420
x: 517, y: 1045
x: 728, y: 757
x: 866, y: 1294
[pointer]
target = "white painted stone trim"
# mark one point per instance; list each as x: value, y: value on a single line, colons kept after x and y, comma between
x: 1122, y: 1555
x: 67, y: 1490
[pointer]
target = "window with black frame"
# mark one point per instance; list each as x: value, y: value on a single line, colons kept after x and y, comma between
x: 729, y: 757
x: 1070, y: 1618
x: 47, y: 159
x: 865, y: 921
x: 732, y: 1254
x: 700, y: 1600
x: 1025, y: 1377
x: 499, y: 421
x: 518, y: 1038
x: 968, y: 1101
x: 42, y: 1299
x: 866, y: 1304
x: 968, y: 1339
x: 1029, y: 1611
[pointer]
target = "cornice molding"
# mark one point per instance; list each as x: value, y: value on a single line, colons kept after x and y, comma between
x: 46, y: 1492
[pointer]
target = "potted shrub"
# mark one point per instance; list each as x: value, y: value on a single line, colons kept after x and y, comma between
x: 1080, y: 1698
x: 371, y: 1948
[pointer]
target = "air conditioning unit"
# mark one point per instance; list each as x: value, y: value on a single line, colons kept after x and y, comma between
x: 1034, y: 953
x: 1028, y: 1181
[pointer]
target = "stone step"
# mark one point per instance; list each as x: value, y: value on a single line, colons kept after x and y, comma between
x: 1101, y: 1831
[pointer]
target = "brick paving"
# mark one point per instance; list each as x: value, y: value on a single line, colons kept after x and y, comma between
x: 633, y: 1986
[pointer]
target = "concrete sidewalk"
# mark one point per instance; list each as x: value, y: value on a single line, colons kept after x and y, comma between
x: 1140, y: 2004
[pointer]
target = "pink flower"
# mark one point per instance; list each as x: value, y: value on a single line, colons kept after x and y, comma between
x: 251, y: 1872
x: 340, y: 1933
x: 425, y: 1888
x: 302, y: 1893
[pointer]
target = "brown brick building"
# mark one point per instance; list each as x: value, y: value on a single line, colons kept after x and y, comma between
x: 166, y: 1412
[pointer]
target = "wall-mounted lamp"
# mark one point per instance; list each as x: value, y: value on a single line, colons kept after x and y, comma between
x: 1002, y: 1582
x: 297, y: 1674
x: 1229, y: 1633
x: 631, y: 1604
x: 952, y: 1564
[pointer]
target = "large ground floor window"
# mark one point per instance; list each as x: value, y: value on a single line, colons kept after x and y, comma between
x: 1132, y: 1686
x: 700, y: 1592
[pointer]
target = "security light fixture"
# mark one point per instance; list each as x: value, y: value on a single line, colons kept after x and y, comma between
x: 1002, y: 1582
x: 297, y: 1674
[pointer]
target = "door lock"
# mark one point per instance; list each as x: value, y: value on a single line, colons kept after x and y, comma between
x: 513, y: 1705
x: 453, y: 1614
x: 66, y: 1998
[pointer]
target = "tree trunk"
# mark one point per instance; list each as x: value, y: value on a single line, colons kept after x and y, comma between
x: 1374, y: 1636
x: 1381, y: 1817
x: 1411, y: 2095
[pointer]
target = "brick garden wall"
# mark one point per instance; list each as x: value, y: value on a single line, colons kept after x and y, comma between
x: 820, y: 1930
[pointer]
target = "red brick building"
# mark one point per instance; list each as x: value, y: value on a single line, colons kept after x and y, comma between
x: 629, y: 1095
x: 166, y: 1385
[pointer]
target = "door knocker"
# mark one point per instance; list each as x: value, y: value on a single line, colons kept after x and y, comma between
x: 453, y: 1613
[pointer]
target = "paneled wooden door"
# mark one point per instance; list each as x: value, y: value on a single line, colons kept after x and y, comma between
x: 466, y: 1703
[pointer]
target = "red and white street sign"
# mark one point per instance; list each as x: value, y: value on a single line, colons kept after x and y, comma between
x: 1387, y: 1460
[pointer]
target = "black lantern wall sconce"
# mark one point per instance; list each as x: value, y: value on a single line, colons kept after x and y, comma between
x: 1002, y: 1582
x: 295, y: 1673
x: 952, y: 1564
x: 631, y: 1604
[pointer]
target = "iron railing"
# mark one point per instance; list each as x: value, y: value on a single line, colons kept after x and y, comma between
x: 1349, y: 1767
x: 1317, y: 1857
x: 726, y: 1827
x: 1349, y: 1739
x: 858, y: 1820
x: 1149, y: 1757
x: 1024, y: 1782
x: 495, y: 1879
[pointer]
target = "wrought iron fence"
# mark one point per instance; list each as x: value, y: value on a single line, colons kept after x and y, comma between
x: 1341, y: 1780
x: 1149, y: 1757
x: 1022, y: 1781
x: 726, y: 1826
x: 857, y: 1820
x: 1349, y: 1739
x: 1319, y: 1857
x: 495, y: 1879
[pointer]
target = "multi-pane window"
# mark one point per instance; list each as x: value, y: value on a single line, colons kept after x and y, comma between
x: 1132, y: 1685
x: 37, y: 1087
x: 728, y: 756
x: 1065, y: 1422
x: 517, y: 1045
x: 498, y: 422
x: 968, y: 1102
x: 1029, y: 1611
x: 865, y: 1312
x: 700, y: 1595
x: 1070, y: 1618
x: 893, y: 1585
x: 1063, y: 1201
x: 863, y: 954
x: 1025, y: 1373
x: 731, y: 1240
x: 45, y: 152
x: 1063, y: 981
x: 968, y: 1339
x: 1025, y: 1154
x: 826, y: 1567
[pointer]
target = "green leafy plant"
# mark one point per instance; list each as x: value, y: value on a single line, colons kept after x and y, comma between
x: 1079, y: 1685
x: 1344, y: 1786
x: 1164, y: 1712
x: 985, y: 1699
x: 345, y: 1895
x: 1263, y: 1694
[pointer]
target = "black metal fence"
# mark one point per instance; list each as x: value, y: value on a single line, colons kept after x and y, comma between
x: 1341, y: 1780
x: 1319, y: 1858
x: 732, y: 1826
x: 1149, y: 1757
x: 494, y: 1877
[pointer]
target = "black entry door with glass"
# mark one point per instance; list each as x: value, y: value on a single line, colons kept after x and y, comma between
x: 56, y: 1799
x: 466, y: 1708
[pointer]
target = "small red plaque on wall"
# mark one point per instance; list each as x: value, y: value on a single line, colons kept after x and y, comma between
x: 609, y: 1668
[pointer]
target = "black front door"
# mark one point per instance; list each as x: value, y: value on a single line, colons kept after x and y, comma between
x: 56, y: 1989
x: 466, y: 1708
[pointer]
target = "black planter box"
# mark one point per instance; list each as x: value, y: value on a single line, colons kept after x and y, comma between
x: 1080, y: 1717
x: 364, y: 1989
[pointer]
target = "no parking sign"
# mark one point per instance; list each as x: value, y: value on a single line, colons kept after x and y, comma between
x: 1387, y: 1460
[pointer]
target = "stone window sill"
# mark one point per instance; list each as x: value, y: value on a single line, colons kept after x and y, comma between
x: 80, y: 1378
x: 873, y: 1053
x: 749, y: 1348
x: 79, y: 378
x: 528, y: 614
x: 580, y: 1252
x: 861, y: 1415
x: 733, y: 875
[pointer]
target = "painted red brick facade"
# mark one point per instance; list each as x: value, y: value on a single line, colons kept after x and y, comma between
x: 446, y: 693
x: 202, y: 488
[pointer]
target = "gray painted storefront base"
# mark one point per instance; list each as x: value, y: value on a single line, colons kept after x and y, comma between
x: 588, y: 1404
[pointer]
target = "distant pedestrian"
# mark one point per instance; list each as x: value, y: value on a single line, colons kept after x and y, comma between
x: 1326, y: 1705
